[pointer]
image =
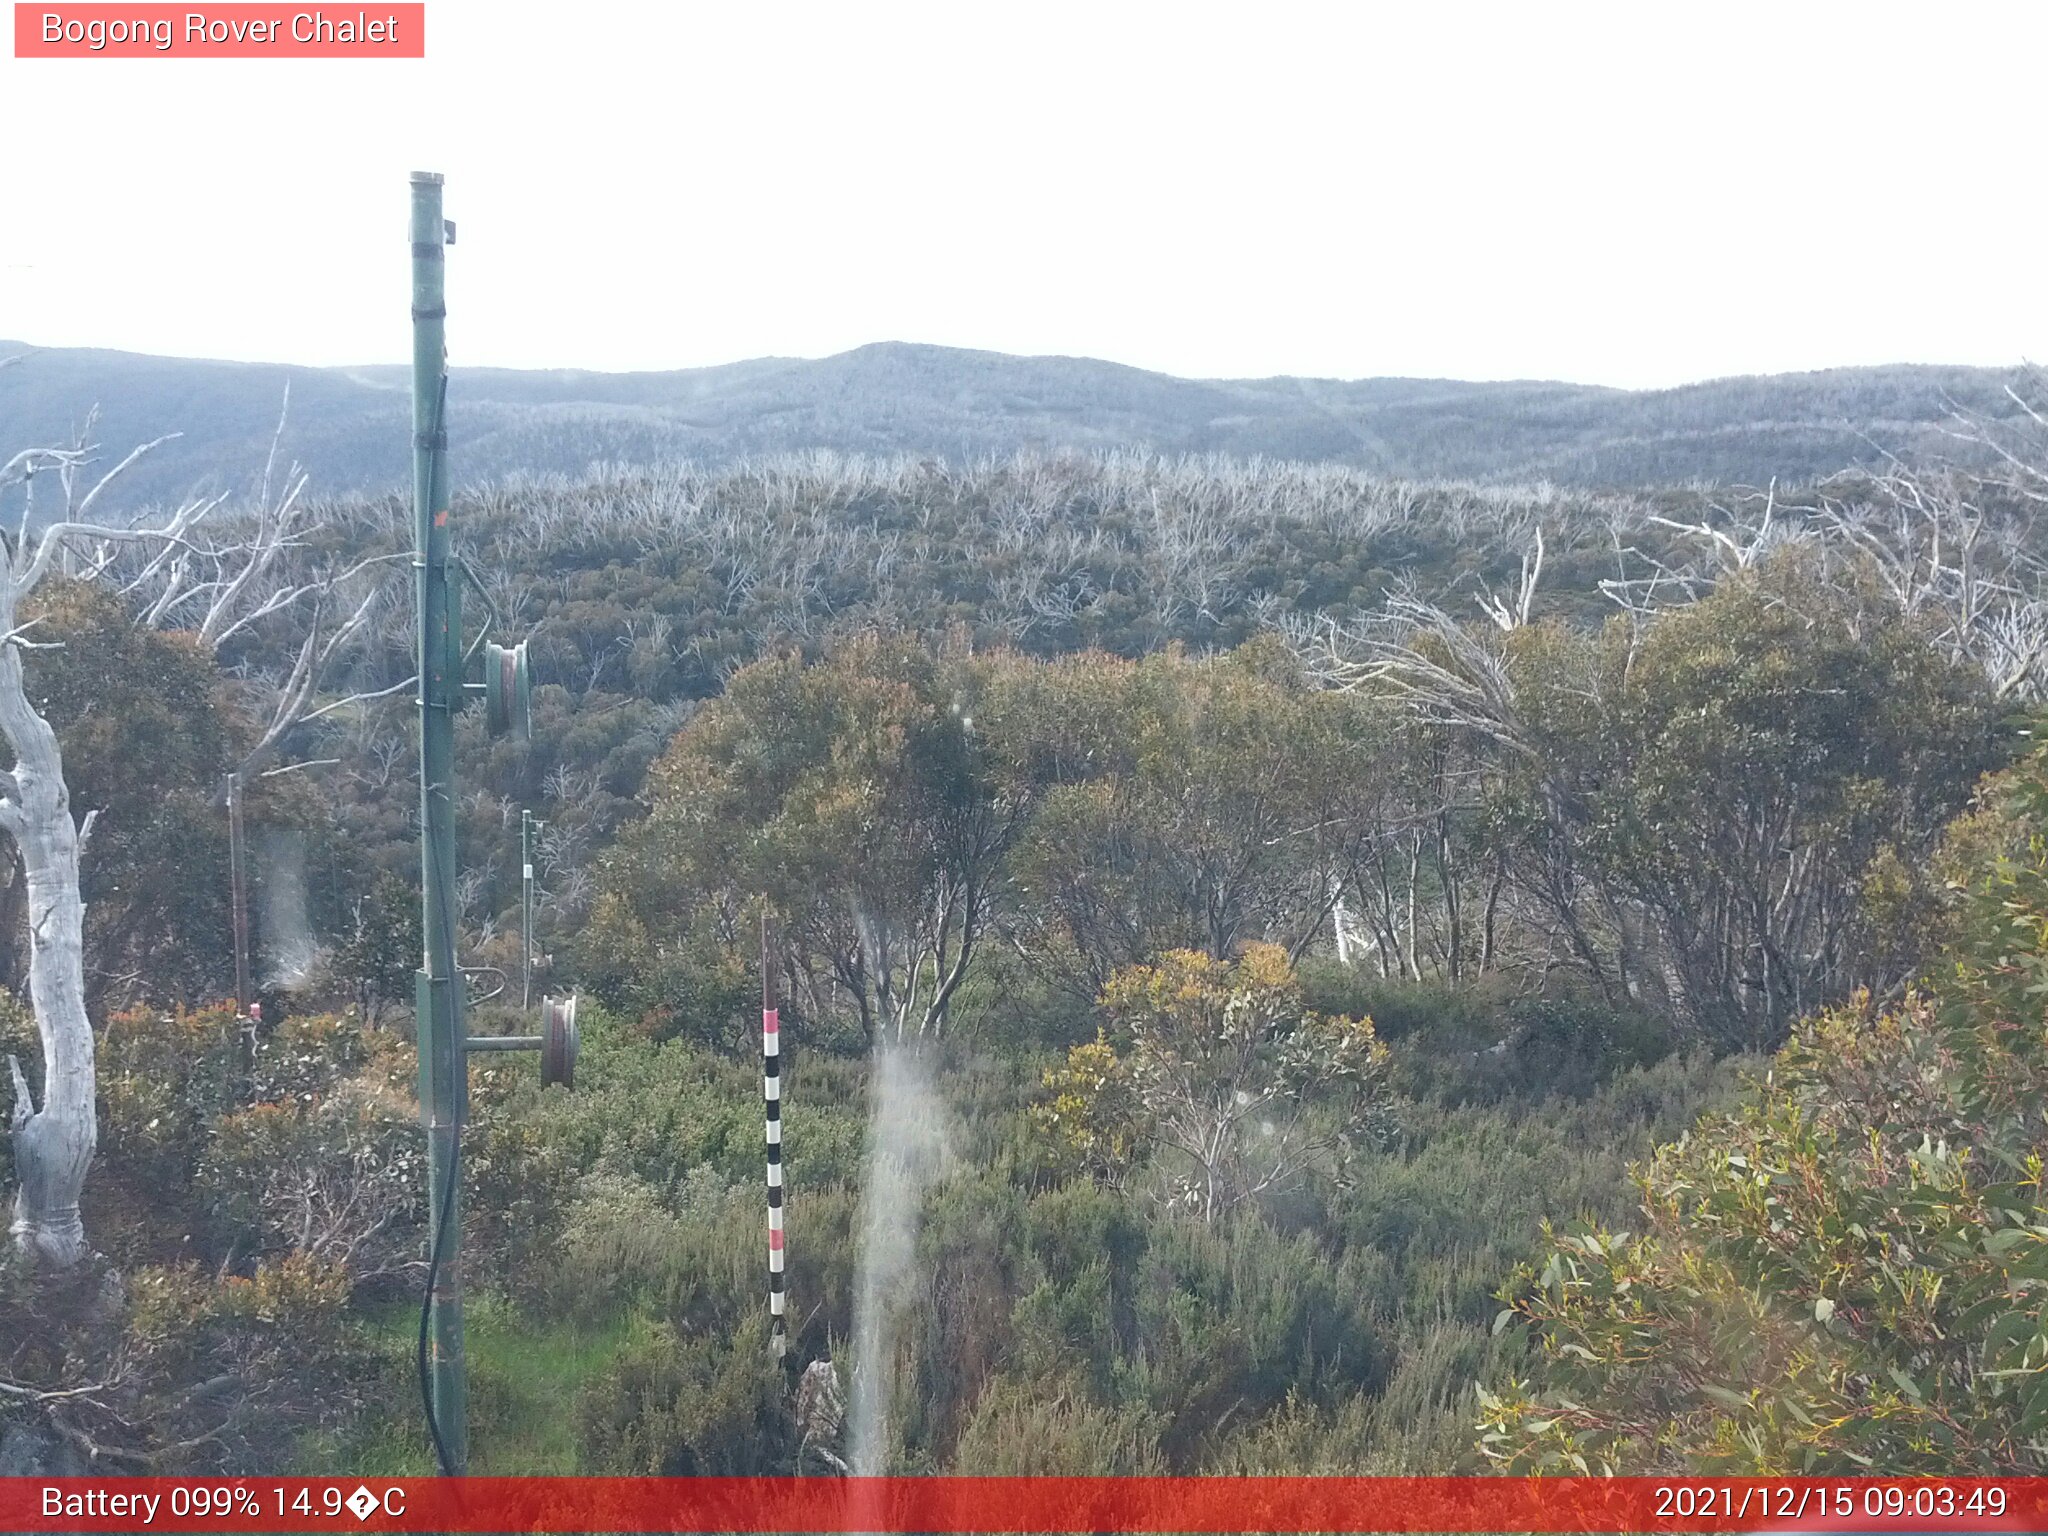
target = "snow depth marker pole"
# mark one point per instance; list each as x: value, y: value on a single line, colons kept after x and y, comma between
x: 771, y: 1096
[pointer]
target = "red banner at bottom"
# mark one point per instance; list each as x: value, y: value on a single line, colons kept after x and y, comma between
x: 1018, y: 1504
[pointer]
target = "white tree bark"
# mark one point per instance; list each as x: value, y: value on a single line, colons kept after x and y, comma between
x: 53, y: 1142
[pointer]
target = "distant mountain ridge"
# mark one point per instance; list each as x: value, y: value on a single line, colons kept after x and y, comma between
x: 350, y: 426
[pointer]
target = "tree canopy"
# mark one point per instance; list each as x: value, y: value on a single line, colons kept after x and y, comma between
x: 1847, y: 1272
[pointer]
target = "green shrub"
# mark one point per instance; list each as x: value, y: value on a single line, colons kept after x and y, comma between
x: 670, y: 1405
x: 179, y: 1366
x: 1845, y: 1272
x: 1047, y: 1430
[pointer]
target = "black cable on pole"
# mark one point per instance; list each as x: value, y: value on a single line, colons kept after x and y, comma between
x: 441, y: 1456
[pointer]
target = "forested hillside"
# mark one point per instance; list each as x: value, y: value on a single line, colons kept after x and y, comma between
x: 1235, y: 925
x: 349, y: 425
x: 896, y: 937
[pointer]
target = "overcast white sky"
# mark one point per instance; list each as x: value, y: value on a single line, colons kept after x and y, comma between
x: 1637, y: 194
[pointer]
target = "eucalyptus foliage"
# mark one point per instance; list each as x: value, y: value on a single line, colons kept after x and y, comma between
x: 1847, y: 1272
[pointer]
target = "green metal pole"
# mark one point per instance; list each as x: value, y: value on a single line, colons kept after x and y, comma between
x: 526, y: 909
x: 444, y: 1079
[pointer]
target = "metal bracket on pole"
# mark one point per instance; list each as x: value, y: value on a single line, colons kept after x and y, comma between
x: 558, y: 1042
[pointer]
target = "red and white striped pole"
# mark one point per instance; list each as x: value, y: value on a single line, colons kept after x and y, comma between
x: 771, y: 1095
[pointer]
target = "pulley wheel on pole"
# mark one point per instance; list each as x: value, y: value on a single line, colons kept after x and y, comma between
x: 558, y: 1042
x: 508, y: 691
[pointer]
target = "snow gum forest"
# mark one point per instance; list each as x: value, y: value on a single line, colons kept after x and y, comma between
x: 1281, y: 969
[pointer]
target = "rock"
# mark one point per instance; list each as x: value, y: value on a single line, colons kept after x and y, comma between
x: 29, y: 1449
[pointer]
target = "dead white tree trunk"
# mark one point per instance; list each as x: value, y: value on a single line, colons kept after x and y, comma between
x: 53, y: 1142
